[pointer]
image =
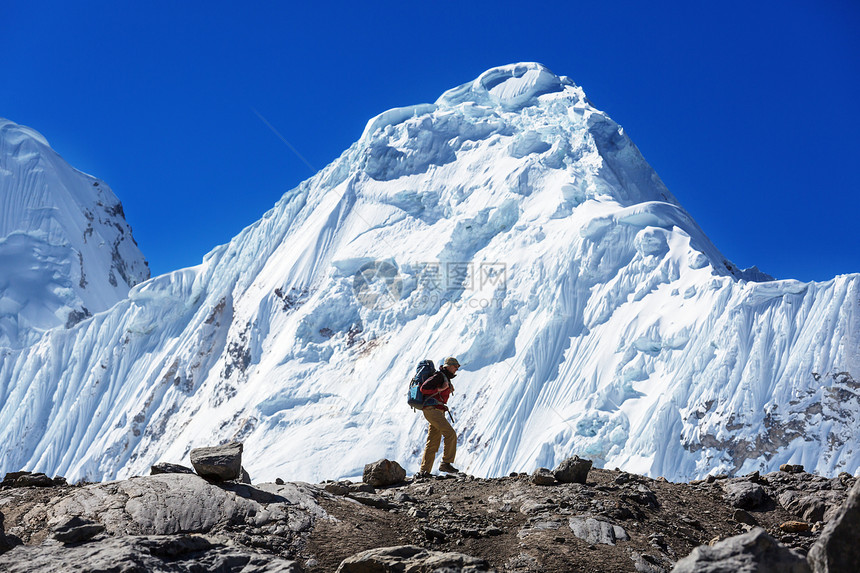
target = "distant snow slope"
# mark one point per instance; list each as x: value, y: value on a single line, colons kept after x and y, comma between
x: 66, y: 251
x: 510, y: 224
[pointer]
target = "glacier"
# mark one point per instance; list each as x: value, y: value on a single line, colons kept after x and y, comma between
x: 511, y: 224
x: 66, y: 250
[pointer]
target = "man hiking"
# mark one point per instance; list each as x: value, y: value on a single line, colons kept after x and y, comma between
x: 437, y: 388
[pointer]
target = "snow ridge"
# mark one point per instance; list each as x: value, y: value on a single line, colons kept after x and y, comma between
x: 510, y: 224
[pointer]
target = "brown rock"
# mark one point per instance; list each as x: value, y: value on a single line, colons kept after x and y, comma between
x: 794, y: 526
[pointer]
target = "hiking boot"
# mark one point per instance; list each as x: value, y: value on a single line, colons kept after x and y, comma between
x: 422, y: 475
x: 448, y: 468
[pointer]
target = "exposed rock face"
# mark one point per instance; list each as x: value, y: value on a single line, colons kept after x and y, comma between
x: 218, y: 462
x: 572, y: 470
x: 383, y: 472
x: 133, y: 554
x: 838, y: 548
x: 411, y: 558
x: 753, y: 552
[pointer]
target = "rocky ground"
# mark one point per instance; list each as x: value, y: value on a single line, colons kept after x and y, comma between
x: 613, y: 522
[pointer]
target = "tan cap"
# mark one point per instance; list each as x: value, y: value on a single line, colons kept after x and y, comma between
x: 450, y: 361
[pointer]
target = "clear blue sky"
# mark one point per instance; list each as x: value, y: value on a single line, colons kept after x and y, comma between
x: 749, y: 111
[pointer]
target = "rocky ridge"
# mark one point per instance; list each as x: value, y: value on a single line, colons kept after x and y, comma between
x: 613, y: 521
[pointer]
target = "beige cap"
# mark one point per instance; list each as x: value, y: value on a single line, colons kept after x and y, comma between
x: 450, y: 361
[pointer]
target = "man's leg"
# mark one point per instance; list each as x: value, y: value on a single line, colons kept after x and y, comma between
x: 434, y: 436
x: 438, y: 421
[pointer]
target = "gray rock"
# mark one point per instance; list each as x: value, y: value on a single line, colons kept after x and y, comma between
x: 362, y: 487
x: 168, y: 468
x: 371, y: 500
x: 411, y: 558
x: 336, y: 488
x: 218, y: 462
x: 543, y: 476
x: 752, y: 552
x: 810, y: 507
x: 244, y: 477
x: 837, y: 549
x: 383, y: 472
x: 538, y: 527
x: 75, y: 530
x: 597, y: 531
x: 744, y: 494
x: 572, y: 470
x: 132, y: 554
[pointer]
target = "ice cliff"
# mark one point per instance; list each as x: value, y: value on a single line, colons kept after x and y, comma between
x: 511, y: 224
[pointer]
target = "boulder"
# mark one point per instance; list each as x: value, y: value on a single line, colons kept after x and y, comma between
x: 543, y: 476
x: 744, y: 494
x: 76, y: 529
x: 383, y: 472
x: 411, y: 558
x: 791, y: 468
x: 219, y: 462
x: 837, y: 549
x: 168, y: 468
x: 28, y: 479
x: 752, y: 552
x: 572, y: 470
x: 809, y: 507
x: 173, y: 553
x: 597, y: 531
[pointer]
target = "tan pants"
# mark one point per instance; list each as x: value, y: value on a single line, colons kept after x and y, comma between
x: 439, y: 427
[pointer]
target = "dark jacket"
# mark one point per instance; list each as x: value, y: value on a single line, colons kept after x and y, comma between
x: 438, y: 387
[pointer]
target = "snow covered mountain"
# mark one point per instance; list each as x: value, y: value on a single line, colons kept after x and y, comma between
x: 510, y: 224
x: 66, y: 251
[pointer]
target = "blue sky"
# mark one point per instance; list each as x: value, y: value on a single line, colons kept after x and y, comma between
x: 747, y: 110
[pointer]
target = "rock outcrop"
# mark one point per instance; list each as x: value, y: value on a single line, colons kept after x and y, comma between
x: 132, y: 554
x: 411, y: 558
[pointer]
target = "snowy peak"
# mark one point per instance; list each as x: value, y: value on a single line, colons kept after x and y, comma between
x: 510, y: 87
x: 66, y: 251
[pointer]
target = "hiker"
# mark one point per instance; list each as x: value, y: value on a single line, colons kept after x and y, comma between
x: 436, y: 389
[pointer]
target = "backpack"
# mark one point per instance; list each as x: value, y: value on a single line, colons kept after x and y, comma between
x: 425, y: 370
